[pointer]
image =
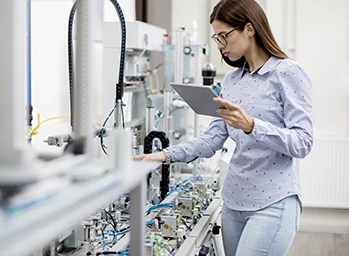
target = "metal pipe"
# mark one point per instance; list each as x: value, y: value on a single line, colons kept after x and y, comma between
x: 196, y: 125
x: 168, y: 99
x: 85, y: 58
x: 150, y: 119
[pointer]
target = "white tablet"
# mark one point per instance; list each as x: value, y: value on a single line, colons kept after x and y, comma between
x: 199, y: 98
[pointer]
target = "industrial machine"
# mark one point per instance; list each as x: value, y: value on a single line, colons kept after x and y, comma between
x: 93, y: 199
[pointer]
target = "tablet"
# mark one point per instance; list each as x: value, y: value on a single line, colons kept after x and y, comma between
x: 199, y: 98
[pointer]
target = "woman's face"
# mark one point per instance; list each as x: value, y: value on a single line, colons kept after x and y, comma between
x: 232, y: 42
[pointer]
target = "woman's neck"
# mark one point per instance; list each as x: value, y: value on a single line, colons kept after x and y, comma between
x: 256, y: 58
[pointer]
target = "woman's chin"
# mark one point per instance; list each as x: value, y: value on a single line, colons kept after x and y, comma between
x: 232, y: 58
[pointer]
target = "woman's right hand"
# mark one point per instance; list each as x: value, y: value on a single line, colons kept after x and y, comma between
x: 158, y: 156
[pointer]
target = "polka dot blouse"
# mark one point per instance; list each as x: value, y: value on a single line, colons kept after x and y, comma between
x: 262, y: 169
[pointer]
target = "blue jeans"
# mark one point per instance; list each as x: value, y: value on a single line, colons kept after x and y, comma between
x: 269, y: 231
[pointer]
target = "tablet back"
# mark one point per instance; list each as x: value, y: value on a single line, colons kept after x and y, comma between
x: 199, y: 98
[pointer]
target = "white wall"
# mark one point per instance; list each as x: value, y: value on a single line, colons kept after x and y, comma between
x: 184, y: 12
x: 50, y: 84
x: 128, y: 9
x: 323, y: 49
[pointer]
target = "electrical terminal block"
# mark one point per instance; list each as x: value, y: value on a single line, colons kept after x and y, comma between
x: 209, y: 196
x: 87, y: 230
x: 151, y: 248
x: 196, y: 211
x: 186, y: 206
x: 200, y: 188
x: 180, y: 237
x: 170, y: 225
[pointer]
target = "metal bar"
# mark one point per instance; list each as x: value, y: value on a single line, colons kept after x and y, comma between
x: 137, y: 220
x: 84, y: 72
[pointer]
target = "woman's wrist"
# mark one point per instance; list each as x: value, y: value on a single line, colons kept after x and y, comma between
x: 250, y: 126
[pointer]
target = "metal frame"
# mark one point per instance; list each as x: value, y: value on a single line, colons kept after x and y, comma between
x: 46, y: 218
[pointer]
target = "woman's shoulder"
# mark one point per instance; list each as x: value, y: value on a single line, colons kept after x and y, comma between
x: 288, y: 67
x: 288, y: 64
x: 232, y: 74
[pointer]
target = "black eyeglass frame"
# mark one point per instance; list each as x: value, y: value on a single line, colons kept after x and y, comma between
x: 222, y: 39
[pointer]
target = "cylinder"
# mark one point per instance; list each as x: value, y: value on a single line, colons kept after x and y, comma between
x: 208, y: 74
x: 121, y: 151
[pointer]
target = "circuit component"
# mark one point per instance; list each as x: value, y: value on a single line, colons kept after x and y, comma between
x: 201, y: 188
x: 186, y: 206
x: 170, y: 225
x: 150, y: 248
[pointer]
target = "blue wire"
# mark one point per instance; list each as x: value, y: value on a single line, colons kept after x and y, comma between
x: 103, y: 243
x: 156, y: 124
x: 165, y: 205
x: 113, y: 241
x: 180, y: 186
x: 124, y: 252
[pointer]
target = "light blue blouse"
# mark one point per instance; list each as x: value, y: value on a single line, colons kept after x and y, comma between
x: 262, y: 169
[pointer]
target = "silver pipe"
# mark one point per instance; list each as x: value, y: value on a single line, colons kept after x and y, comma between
x: 85, y: 58
x: 150, y: 120
x: 195, y: 163
x: 168, y: 99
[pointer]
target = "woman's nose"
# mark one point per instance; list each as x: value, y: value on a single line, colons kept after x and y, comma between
x: 220, y: 46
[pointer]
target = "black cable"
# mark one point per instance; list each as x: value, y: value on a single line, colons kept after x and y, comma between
x: 70, y: 63
x: 103, y: 126
x: 122, y: 115
x: 120, y: 84
x: 185, y: 224
x: 112, y: 218
x: 102, y: 233
x: 102, y: 143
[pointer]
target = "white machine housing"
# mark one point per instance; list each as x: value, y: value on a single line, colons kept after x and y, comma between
x: 139, y: 35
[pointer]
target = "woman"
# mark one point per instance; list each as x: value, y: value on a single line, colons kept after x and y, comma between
x: 269, y: 115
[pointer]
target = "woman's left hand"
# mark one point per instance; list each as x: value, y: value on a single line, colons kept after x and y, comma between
x: 235, y: 116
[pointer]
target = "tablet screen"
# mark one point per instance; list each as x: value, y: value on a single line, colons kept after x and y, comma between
x: 199, y: 98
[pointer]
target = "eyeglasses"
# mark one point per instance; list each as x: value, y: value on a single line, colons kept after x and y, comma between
x: 222, y: 38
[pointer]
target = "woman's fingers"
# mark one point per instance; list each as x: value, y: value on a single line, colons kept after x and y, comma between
x: 227, y: 104
x: 139, y: 157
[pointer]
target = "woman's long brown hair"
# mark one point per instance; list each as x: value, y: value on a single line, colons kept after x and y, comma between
x: 237, y: 13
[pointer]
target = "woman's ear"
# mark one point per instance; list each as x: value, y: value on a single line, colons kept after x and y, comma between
x: 249, y: 29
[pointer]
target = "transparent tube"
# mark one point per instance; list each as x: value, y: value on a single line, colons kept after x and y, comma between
x: 179, y: 55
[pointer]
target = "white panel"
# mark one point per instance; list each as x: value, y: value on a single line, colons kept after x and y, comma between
x: 324, y: 174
